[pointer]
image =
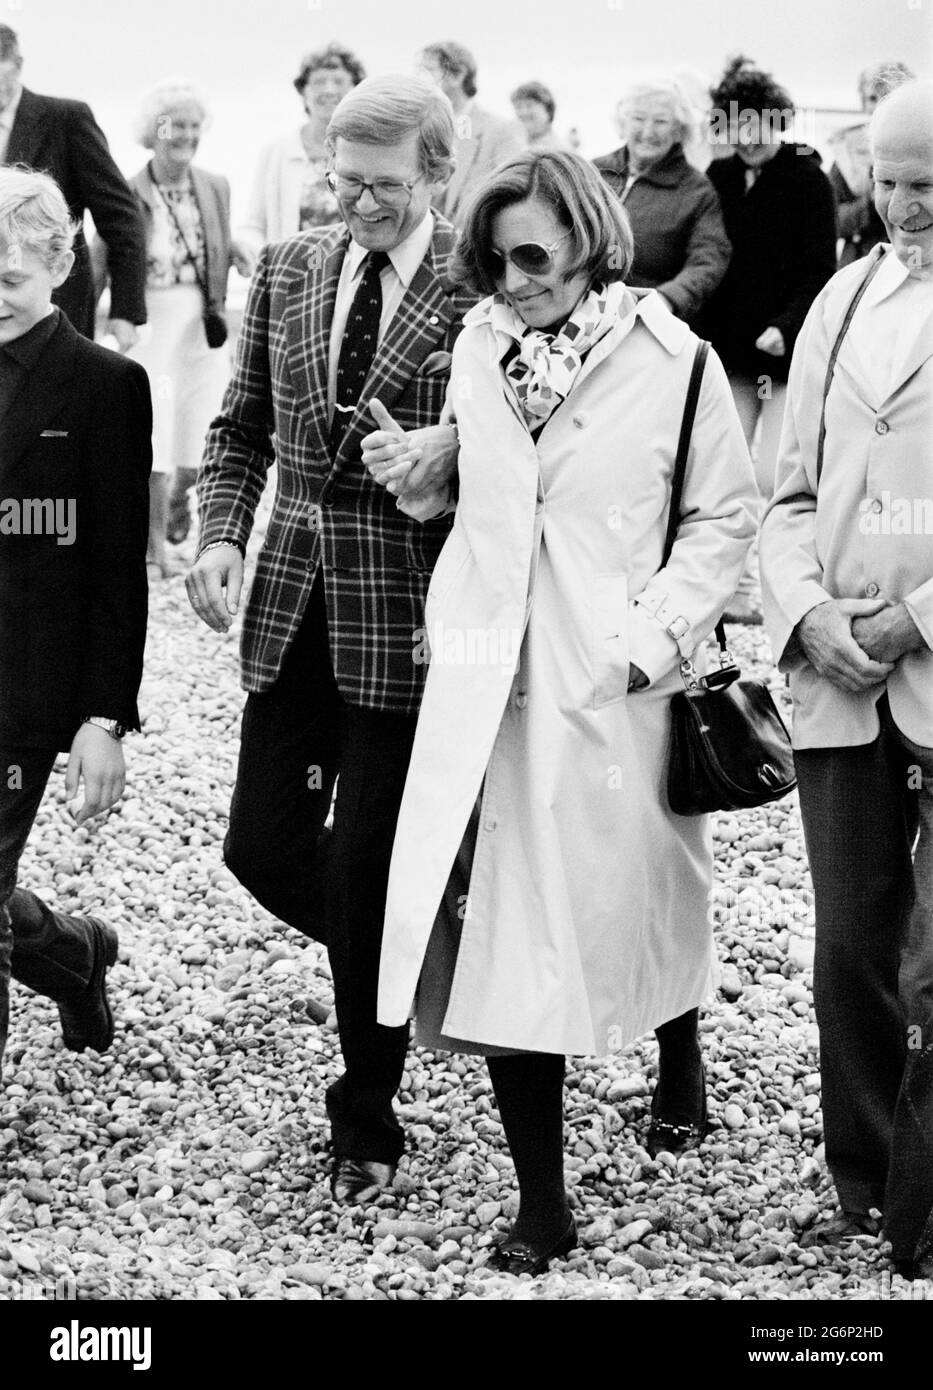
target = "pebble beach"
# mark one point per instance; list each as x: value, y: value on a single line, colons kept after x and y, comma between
x: 190, y: 1161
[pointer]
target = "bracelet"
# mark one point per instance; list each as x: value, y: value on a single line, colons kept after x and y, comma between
x: 214, y: 545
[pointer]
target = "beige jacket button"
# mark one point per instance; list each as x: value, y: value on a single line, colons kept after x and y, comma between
x: 882, y: 427
x: 872, y: 590
x: 521, y: 700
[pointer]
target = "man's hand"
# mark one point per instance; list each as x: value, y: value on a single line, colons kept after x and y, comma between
x: 889, y: 634
x: 409, y: 463
x: 97, y: 759
x: 825, y: 637
x: 425, y: 505
x: 218, y: 571
x: 772, y: 342
x: 126, y: 333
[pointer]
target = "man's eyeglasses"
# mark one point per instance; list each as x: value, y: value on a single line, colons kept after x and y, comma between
x: 530, y: 257
x: 391, y: 193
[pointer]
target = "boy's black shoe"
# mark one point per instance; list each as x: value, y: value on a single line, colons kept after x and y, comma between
x: 87, y: 1020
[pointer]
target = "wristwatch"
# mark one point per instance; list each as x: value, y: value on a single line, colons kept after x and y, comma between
x: 113, y: 727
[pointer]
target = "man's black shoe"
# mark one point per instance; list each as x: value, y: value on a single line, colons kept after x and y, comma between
x: 87, y: 1020
x: 840, y: 1229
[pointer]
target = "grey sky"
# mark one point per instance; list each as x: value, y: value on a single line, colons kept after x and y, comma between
x: 244, y: 52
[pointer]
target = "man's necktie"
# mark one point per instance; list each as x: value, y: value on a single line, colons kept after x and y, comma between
x: 358, y: 348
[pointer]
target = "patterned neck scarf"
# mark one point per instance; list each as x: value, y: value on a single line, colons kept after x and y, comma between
x: 546, y: 365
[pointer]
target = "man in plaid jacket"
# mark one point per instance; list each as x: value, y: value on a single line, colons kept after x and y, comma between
x: 330, y: 636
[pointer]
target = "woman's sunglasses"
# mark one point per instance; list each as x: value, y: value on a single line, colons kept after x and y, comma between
x: 530, y: 257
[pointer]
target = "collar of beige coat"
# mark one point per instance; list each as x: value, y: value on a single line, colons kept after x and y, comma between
x: 670, y: 331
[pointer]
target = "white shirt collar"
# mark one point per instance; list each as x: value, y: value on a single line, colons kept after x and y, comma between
x: 405, y: 258
x: 891, y: 275
x: 8, y: 114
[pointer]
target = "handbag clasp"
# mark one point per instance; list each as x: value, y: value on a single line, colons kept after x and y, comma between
x: 688, y: 673
x: 723, y: 675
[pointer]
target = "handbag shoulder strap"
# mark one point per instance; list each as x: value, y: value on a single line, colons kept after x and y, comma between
x: 831, y: 365
x: 680, y: 462
x: 184, y: 240
x: 683, y: 448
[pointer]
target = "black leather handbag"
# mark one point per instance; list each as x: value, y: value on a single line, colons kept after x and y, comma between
x: 729, y: 746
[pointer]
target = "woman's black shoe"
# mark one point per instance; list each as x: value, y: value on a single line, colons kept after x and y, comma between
x: 675, y: 1136
x: 519, y: 1257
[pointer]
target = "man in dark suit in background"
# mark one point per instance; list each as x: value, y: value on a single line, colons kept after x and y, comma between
x: 63, y: 139
x: 75, y: 455
x: 336, y: 317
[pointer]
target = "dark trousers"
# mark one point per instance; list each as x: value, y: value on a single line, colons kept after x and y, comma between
x: 45, y: 950
x: 873, y: 974
x: 298, y: 739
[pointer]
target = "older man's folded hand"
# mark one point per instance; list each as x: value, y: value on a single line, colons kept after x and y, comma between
x: 825, y: 635
x: 888, y: 634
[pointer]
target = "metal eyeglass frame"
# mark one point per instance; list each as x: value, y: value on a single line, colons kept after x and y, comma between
x: 332, y: 178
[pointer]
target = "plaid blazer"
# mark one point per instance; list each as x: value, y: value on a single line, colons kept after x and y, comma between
x: 328, y: 512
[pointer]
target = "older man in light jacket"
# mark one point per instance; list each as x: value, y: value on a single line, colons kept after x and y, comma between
x: 847, y: 579
x: 484, y: 140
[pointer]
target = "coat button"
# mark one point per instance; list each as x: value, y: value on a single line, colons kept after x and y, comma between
x: 882, y: 427
x: 521, y: 700
x: 877, y: 505
x: 872, y: 590
x: 581, y: 420
x: 489, y: 823
x: 314, y: 518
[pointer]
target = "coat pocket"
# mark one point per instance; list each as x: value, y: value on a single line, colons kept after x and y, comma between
x: 610, y: 638
x: 450, y: 565
x: 454, y: 555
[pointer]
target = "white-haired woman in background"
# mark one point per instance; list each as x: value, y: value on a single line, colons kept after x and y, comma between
x: 681, y: 247
x: 186, y: 212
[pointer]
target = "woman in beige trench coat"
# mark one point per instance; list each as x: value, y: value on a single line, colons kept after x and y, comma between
x: 543, y: 898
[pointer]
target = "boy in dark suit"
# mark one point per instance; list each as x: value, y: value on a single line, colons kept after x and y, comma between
x: 75, y: 457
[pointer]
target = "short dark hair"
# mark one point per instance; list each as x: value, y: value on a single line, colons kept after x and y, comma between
x: 334, y: 55
x: 751, y: 89
x: 9, y: 45
x: 455, y: 57
x: 581, y: 201
x: 536, y: 91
